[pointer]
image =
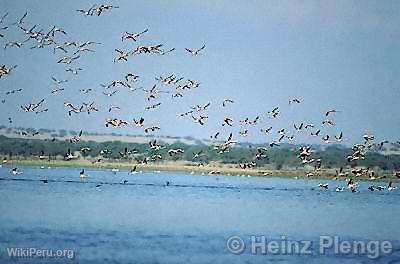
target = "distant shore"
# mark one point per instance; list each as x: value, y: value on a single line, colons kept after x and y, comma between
x: 208, y: 169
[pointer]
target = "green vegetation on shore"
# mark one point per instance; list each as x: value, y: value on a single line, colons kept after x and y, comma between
x: 281, y: 161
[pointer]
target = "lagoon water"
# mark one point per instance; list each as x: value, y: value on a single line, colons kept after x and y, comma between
x: 187, y: 221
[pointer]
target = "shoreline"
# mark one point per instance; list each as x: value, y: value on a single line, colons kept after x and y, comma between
x: 209, y: 169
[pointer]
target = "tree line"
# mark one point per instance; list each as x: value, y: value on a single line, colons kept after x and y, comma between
x: 284, y: 156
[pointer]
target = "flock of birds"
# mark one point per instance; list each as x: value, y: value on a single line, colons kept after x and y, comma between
x: 72, y: 51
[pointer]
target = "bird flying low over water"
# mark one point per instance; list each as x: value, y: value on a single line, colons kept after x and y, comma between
x: 133, y: 170
x: 323, y: 185
x: 391, y: 187
x: 82, y: 174
x: 16, y: 171
x: 69, y: 155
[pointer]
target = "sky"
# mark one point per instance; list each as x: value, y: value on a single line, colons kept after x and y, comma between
x: 330, y: 54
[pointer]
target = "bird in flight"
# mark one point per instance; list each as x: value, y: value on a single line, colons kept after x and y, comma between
x: 6, y: 71
x: 152, y: 129
x: 199, y: 108
x: 195, y: 52
x: 226, y: 101
x: 294, y: 100
x: 330, y: 111
x: 139, y: 122
x: 14, y: 91
x: 121, y: 55
x: 3, y: 17
x: 199, y: 119
x: 68, y: 60
x: 328, y: 122
x: 267, y: 130
x: 274, y: 113
x: 115, y: 122
x: 110, y: 93
x: 58, y: 82
x: 88, y: 12
x: 153, y: 106
x: 17, y: 44
x: 113, y: 107
x: 32, y: 107
x: 21, y: 20
x: 76, y: 138
x: 133, y: 36
x: 228, y: 121
x: 57, y: 90
x: 74, y: 71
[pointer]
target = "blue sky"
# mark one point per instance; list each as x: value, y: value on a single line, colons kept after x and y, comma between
x: 329, y: 54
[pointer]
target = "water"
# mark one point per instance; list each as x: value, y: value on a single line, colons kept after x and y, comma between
x: 187, y: 221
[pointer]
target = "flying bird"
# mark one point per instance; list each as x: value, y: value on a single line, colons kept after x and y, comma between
x: 133, y: 36
x: 195, y: 52
x: 226, y: 101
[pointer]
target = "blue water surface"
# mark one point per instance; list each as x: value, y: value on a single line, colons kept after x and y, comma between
x: 173, y: 217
